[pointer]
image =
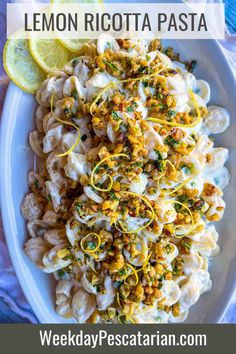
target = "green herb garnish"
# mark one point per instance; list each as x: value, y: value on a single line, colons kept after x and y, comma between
x: 74, y: 93
x: 169, y: 140
x: 111, y: 65
x: 83, y: 137
x: 114, y: 115
x: 36, y: 183
x: 171, y: 113
x: 191, y: 65
x: 131, y: 108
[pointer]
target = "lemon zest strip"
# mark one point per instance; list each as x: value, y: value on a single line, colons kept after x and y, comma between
x: 144, y: 226
x: 107, y: 87
x: 85, y: 237
x: 133, y: 272
x: 163, y: 191
x: 179, y: 226
x: 118, y: 298
x: 111, y: 179
x: 170, y: 163
x: 173, y: 124
x: 145, y: 263
x: 66, y: 123
x: 145, y: 77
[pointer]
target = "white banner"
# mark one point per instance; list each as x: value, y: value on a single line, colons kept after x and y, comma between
x: 87, y: 21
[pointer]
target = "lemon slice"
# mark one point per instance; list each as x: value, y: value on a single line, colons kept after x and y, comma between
x: 74, y: 45
x: 20, y: 66
x: 49, y: 53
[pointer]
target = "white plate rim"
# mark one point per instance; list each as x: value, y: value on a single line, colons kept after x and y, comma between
x: 5, y: 207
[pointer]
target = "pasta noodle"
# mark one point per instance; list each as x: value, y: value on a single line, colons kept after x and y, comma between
x: 121, y: 208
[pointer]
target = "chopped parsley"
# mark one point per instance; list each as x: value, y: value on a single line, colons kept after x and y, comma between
x: 83, y: 137
x: 187, y: 245
x: 113, y: 196
x: 131, y: 108
x: 36, y: 183
x: 91, y: 245
x: 138, y: 164
x: 111, y: 65
x: 114, y: 115
x: 123, y: 208
x: 191, y: 65
x: 61, y: 274
x: 145, y: 83
x: 122, y: 271
x: 117, y: 284
x: 75, y: 62
x: 142, y: 69
x: 182, y: 199
x: 105, y: 166
x: 169, y: 140
x: 186, y: 170
x: 66, y: 110
x: 97, y: 287
x: 160, y: 284
x: 78, y: 208
x: 159, y: 163
x: 171, y: 113
x: 175, y: 269
x: 74, y: 93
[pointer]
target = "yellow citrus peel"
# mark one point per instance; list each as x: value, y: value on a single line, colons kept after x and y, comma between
x: 118, y: 298
x: 145, y: 263
x: 107, y: 175
x: 141, y: 227
x: 69, y: 124
x: 164, y: 192
x: 107, y: 87
x: 133, y: 272
x: 174, y: 124
x: 180, y: 226
x: 85, y: 238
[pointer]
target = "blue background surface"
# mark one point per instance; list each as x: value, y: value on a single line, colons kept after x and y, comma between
x: 230, y: 13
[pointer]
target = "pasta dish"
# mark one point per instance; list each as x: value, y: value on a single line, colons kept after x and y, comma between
x: 128, y: 184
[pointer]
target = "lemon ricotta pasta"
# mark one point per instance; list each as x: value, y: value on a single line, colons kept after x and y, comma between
x: 128, y: 185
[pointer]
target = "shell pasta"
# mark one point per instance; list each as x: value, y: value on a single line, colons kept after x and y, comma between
x: 121, y: 208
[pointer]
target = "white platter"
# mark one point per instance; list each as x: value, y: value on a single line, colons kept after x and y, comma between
x: 17, y: 159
